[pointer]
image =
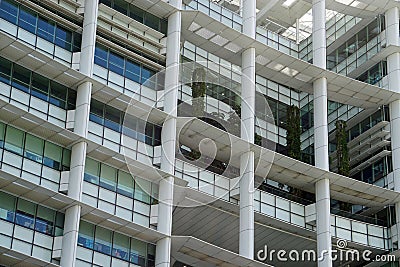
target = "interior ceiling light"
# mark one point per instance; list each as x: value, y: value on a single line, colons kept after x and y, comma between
x: 289, y: 72
x: 288, y: 3
x: 275, y: 66
x: 233, y: 47
x: 262, y: 60
x: 194, y: 27
x: 358, y: 4
x: 344, y: 2
x: 205, y: 33
x: 219, y: 40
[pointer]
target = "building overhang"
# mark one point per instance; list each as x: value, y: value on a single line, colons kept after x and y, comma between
x: 196, y: 252
x: 280, y: 168
x: 49, y: 198
x: 10, y: 113
x: 36, y: 61
x: 216, y: 223
x: 360, y: 8
x: 227, y: 43
x: 11, y: 257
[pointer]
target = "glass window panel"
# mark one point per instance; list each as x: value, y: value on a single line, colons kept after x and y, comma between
x: 58, y: 94
x: 138, y: 252
x: 86, y: 234
x: 2, y: 128
x: 14, y: 140
x: 40, y: 86
x: 146, y: 74
x: 59, y: 224
x: 108, y: 177
x: 92, y: 171
x: 25, y: 213
x: 112, y: 118
x: 52, y: 155
x: 63, y: 38
x: 136, y: 13
x: 130, y: 126
x: 27, y: 20
x: 163, y: 26
x: 7, y: 206
x: 142, y: 190
x: 5, y: 68
x: 121, y: 246
x: 103, y: 240
x: 45, y: 220
x: 101, y: 55
x: 21, y: 78
x: 132, y: 71
x: 97, y: 112
x: 121, y: 6
x: 9, y: 10
x: 116, y: 63
x: 125, y: 184
x: 46, y: 29
x: 151, y: 254
x: 77, y: 42
x: 34, y: 148
x: 152, y: 21
x: 71, y: 99
x: 66, y: 159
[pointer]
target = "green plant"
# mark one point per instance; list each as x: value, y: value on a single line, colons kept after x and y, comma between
x: 199, y: 88
x: 293, y: 132
x: 293, y: 141
x: 257, y: 139
x: 342, y: 151
x: 194, y: 154
x: 234, y: 119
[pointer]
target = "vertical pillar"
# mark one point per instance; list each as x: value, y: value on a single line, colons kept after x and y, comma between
x: 168, y: 137
x: 393, y: 63
x: 246, y: 185
x: 321, y: 151
x: 78, y: 151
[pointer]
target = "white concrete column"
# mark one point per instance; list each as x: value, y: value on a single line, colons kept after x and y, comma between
x: 393, y: 63
x: 168, y: 137
x: 70, y: 236
x: 78, y: 151
x: 246, y: 185
x: 321, y: 152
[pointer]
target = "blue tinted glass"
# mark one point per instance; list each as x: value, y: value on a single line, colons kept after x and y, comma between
x: 24, y: 219
x: 46, y: 29
x: 132, y: 71
x: 116, y: 63
x: 63, y: 38
x: 100, y: 56
x: 44, y: 226
x: 27, y: 20
x: 146, y: 74
x: 85, y: 236
x: 9, y: 11
x: 51, y: 163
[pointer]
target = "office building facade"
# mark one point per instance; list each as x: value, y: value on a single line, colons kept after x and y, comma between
x: 156, y: 133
